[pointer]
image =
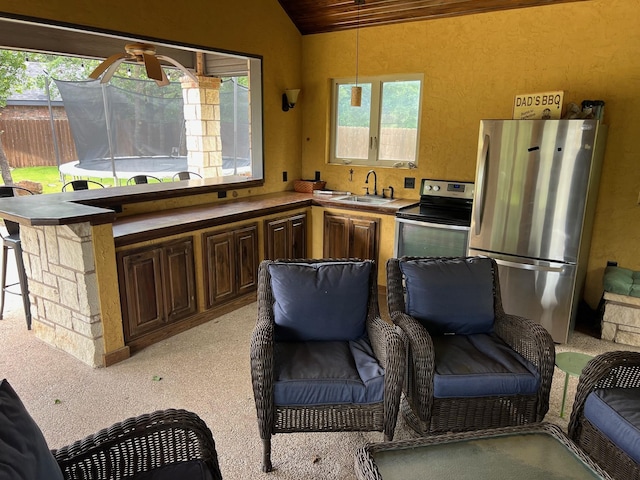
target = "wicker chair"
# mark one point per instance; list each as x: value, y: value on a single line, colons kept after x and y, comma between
x: 177, y: 442
x: 448, y: 392
x: 271, y: 348
x: 610, y: 370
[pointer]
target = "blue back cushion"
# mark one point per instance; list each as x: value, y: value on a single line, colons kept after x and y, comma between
x: 320, y: 301
x: 450, y: 295
x: 24, y: 454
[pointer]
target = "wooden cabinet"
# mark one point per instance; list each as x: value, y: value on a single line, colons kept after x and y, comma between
x: 286, y: 237
x: 157, y: 286
x: 347, y: 236
x: 230, y: 263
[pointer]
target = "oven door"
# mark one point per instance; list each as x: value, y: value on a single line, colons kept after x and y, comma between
x: 423, y: 239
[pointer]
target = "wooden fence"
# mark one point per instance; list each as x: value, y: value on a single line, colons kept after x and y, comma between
x: 395, y: 143
x: 29, y: 142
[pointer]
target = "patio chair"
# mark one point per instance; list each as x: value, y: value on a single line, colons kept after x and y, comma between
x: 138, y: 179
x: 470, y: 365
x: 81, y: 185
x: 156, y: 446
x: 605, y: 420
x: 186, y: 176
x: 322, y: 359
x: 12, y: 241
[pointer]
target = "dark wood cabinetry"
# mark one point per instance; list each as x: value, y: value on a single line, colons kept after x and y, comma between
x: 230, y: 263
x: 158, y: 286
x: 286, y: 237
x: 347, y: 236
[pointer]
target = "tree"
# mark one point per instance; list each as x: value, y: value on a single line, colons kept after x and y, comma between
x: 13, y: 78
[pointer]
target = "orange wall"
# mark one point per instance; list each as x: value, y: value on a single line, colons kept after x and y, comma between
x: 245, y: 27
x: 473, y: 66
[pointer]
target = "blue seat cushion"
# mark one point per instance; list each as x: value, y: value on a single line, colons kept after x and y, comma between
x: 480, y: 365
x: 320, y: 301
x: 192, y: 469
x: 24, y: 454
x: 450, y: 295
x: 616, y: 413
x: 321, y: 373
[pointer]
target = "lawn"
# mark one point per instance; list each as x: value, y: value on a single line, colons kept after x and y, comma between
x: 49, y: 177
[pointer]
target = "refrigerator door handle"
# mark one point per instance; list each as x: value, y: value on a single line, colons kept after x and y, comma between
x: 482, y: 165
x: 526, y: 266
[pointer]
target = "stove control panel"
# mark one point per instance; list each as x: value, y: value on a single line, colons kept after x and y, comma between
x: 446, y: 188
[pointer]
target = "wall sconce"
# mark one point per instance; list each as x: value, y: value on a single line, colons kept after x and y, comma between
x: 289, y: 99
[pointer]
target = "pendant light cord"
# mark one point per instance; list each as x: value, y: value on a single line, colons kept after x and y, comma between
x: 359, y: 2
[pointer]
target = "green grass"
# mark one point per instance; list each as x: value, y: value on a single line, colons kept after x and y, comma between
x: 49, y: 177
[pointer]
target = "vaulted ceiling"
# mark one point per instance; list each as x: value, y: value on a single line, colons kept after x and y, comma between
x: 318, y: 16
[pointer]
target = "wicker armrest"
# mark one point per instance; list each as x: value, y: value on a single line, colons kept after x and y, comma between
x: 422, y: 357
x: 528, y: 338
x: 535, y: 344
x: 616, y: 369
x: 140, y: 444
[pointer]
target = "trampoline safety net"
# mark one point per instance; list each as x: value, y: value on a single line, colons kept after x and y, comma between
x: 131, y: 125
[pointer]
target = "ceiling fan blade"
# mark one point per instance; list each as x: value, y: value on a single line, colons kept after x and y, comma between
x: 165, y: 80
x: 106, y: 64
x: 180, y: 67
x: 154, y: 69
x: 111, y: 70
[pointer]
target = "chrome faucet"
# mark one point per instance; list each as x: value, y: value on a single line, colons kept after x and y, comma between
x: 375, y: 182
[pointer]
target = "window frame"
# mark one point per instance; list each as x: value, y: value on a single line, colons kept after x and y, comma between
x: 75, y: 38
x: 377, y: 82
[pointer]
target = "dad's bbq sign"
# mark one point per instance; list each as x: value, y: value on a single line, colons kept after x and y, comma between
x: 538, y: 106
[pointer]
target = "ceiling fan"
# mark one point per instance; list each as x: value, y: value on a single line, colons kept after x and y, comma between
x: 142, y: 53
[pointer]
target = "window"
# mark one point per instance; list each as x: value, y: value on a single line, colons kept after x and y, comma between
x: 384, y: 130
x: 231, y: 151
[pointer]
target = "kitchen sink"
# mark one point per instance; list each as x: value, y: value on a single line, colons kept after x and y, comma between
x: 370, y: 199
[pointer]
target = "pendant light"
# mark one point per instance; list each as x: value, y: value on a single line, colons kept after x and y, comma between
x: 356, y: 91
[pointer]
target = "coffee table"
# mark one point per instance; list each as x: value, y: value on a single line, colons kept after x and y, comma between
x: 571, y: 363
x: 526, y: 452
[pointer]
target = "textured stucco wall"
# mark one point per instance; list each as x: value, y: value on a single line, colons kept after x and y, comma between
x: 473, y: 67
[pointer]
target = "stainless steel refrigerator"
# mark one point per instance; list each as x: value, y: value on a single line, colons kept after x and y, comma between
x: 536, y: 191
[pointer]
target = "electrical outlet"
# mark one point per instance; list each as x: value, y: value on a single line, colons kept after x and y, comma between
x: 317, y: 178
x: 284, y: 176
x: 409, y: 182
x: 638, y: 198
x: 222, y: 194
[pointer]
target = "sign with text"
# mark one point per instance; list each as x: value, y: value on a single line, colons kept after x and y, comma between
x: 538, y: 106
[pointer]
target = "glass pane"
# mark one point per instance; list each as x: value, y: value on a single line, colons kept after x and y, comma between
x: 399, y: 121
x: 352, y: 123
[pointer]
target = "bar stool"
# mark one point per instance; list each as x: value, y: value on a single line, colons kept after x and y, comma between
x: 138, y: 179
x: 12, y: 240
x: 81, y: 185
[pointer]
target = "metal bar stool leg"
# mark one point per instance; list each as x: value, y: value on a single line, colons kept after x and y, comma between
x: 24, y: 285
x: 4, y: 278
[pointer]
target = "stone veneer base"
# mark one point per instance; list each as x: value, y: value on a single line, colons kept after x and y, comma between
x: 621, y: 319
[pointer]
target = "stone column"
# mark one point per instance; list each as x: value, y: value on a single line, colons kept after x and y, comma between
x: 63, y: 289
x: 202, y: 122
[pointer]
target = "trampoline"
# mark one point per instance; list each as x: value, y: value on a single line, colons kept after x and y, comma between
x: 159, y: 166
x: 133, y: 127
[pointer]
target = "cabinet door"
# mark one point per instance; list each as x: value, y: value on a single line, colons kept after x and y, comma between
x: 286, y: 237
x: 219, y: 267
x: 277, y: 240
x: 246, y: 244
x: 179, y: 280
x: 363, y: 234
x: 336, y: 236
x: 298, y: 236
x: 141, y: 291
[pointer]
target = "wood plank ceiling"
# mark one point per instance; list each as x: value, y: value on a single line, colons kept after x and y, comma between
x: 320, y: 16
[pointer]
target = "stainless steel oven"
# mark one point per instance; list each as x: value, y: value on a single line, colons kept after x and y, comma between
x: 439, y: 225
